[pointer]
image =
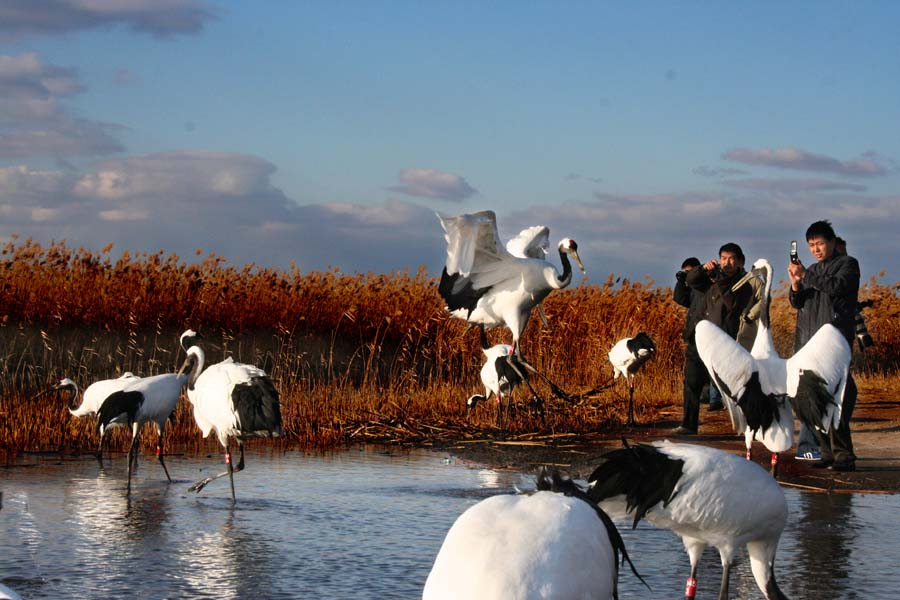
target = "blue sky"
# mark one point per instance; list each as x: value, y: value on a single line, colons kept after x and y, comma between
x: 328, y: 133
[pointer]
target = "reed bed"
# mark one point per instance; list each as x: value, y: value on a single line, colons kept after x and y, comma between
x: 364, y: 357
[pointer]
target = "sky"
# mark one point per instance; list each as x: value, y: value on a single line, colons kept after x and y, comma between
x: 327, y: 134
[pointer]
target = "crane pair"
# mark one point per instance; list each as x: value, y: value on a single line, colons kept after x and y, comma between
x: 236, y: 400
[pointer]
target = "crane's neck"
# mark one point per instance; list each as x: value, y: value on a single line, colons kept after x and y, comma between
x: 766, y: 299
x: 73, y: 397
x: 565, y: 278
x: 198, y: 361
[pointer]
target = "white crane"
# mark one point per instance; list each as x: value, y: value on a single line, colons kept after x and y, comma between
x: 236, y: 400
x: 760, y: 388
x: 706, y: 496
x: 554, y: 543
x: 93, y: 397
x: 500, y: 374
x: 145, y: 400
x: 485, y: 283
x: 627, y: 357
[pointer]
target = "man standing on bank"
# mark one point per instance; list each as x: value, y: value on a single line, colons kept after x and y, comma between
x: 827, y: 292
x: 720, y: 305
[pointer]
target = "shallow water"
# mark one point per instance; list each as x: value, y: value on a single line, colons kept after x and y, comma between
x: 357, y: 524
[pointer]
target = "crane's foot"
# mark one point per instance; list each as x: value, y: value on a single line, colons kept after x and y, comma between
x: 200, y: 485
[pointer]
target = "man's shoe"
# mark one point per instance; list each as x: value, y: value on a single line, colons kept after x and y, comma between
x: 843, y: 466
x: 682, y: 430
x: 813, y: 455
x: 715, y: 406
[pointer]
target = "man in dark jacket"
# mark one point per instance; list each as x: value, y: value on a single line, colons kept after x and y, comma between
x: 827, y: 292
x: 719, y: 305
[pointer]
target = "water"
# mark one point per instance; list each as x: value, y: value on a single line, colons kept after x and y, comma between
x: 357, y: 524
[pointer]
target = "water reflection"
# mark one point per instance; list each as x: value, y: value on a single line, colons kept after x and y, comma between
x: 825, y: 526
x: 359, y: 524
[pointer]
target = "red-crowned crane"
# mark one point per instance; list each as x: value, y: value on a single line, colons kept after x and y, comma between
x: 501, y: 373
x: 706, y: 496
x: 93, y: 397
x: 760, y: 388
x: 236, y: 400
x: 553, y: 543
x: 146, y: 400
x: 484, y: 283
x: 627, y: 357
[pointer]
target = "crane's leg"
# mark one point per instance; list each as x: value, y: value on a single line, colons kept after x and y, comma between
x: 132, y: 455
x: 631, y: 403
x: 723, y: 588
x: 159, y: 452
x: 100, y: 448
x: 557, y: 391
x: 749, y: 452
x: 690, y: 588
x: 230, y: 472
x: 500, y: 411
x: 774, y: 463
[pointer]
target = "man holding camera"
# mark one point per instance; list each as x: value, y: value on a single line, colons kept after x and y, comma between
x: 720, y: 305
x: 824, y: 293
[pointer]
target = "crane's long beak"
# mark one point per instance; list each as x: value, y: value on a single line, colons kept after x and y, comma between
x: 183, y: 368
x: 578, y: 261
x: 45, y: 392
x: 760, y: 273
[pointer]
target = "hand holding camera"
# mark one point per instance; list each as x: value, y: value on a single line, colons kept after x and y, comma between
x: 713, y: 270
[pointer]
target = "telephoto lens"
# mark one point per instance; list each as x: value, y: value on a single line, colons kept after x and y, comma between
x: 862, y: 332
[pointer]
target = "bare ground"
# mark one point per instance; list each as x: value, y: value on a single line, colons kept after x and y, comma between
x: 875, y: 428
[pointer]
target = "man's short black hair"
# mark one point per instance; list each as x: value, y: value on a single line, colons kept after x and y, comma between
x: 692, y: 262
x: 821, y: 229
x: 732, y: 248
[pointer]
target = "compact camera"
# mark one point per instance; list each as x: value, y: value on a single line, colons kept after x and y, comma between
x: 794, y: 258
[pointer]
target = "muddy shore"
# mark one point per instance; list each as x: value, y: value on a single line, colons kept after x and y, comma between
x: 875, y: 427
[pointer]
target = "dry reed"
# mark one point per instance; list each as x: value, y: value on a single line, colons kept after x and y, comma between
x: 356, y: 357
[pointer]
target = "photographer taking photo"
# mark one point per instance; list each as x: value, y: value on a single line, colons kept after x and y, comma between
x: 723, y: 307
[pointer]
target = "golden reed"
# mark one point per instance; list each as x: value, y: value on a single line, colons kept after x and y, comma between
x: 356, y: 357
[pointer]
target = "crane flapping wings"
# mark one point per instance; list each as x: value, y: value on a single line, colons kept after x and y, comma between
x: 817, y: 377
x: 533, y: 242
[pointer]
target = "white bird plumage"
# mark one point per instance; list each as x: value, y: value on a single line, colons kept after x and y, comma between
x: 236, y: 400
x: 540, y: 545
x: 143, y: 400
x: 627, y: 356
x: 94, y: 394
x: 706, y: 496
x: 487, y: 284
x: 760, y: 388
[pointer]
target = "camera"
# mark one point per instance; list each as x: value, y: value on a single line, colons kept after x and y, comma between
x: 681, y: 276
x: 862, y: 332
x: 716, y: 272
x: 794, y: 258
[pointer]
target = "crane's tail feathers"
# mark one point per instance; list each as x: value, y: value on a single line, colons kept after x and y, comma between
x: 812, y: 400
x: 641, y: 473
x: 553, y: 481
x: 258, y: 408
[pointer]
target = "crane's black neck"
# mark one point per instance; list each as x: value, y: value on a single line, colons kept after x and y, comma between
x: 565, y: 277
x: 73, y: 397
x: 196, y: 360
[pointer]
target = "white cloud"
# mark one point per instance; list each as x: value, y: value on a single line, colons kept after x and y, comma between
x: 430, y: 183
x: 795, y: 158
x: 161, y: 18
